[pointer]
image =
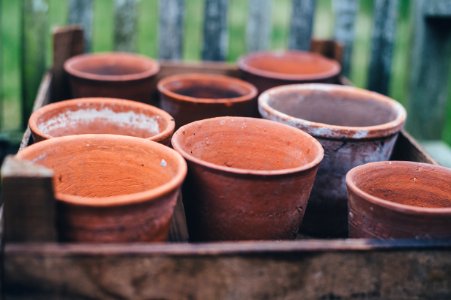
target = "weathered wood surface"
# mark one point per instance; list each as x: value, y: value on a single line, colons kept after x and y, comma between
x: 301, y: 25
x: 406, y: 148
x: 125, y: 29
x: 258, y: 26
x: 382, y: 44
x: 81, y: 13
x: 171, y: 32
x: 215, y: 40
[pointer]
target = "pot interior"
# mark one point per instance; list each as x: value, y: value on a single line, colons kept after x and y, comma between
x: 408, y: 184
x: 112, y: 65
x: 334, y: 107
x: 246, y: 143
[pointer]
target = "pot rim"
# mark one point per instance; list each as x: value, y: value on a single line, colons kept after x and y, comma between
x: 119, y: 200
x: 176, y: 145
x: 333, y: 71
x: 134, y: 105
x: 153, y: 67
x: 403, y: 208
x: 323, y: 130
x: 251, y: 89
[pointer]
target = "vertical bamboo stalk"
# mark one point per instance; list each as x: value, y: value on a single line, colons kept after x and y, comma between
x: 125, y: 25
x: 215, y: 30
x: 301, y: 25
x: 171, y: 29
x: 259, y: 25
x: 81, y: 12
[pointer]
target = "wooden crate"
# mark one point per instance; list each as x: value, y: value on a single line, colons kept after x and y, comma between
x: 36, y: 266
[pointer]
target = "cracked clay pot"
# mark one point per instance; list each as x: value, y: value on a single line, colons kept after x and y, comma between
x: 111, y: 188
x: 114, y: 74
x: 399, y: 200
x: 269, y: 69
x: 101, y: 116
x: 353, y: 125
x: 248, y: 179
x: 192, y: 97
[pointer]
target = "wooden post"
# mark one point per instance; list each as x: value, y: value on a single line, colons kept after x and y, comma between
x: 382, y: 43
x: 301, y: 26
x: 215, y: 41
x: 81, y: 12
x: 125, y: 25
x: 345, y: 16
x: 429, y: 68
x: 171, y: 29
x: 259, y: 25
x: 34, y: 34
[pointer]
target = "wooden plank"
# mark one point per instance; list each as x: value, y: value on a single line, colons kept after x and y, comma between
x: 67, y: 42
x: 301, y: 25
x: 215, y: 40
x: 382, y: 43
x: 345, y: 16
x: 125, y: 33
x: 258, y: 28
x: 172, y: 14
x: 429, y: 73
x: 406, y: 148
x: 81, y: 13
x: 34, y: 32
x: 328, y: 48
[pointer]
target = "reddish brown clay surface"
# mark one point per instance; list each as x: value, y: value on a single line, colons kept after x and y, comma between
x: 115, y: 75
x: 269, y: 69
x: 248, y: 179
x: 192, y: 97
x: 101, y: 116
x: 353, y: 125
x: 399, y: 200
x: 111, y: 188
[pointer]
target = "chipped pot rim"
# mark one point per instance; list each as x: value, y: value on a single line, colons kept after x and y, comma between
x: 153, y: 67
x: 119, y: 200
x: 324, y: 130
x: 402, y: 208
x: 105, y: 102
x: 315, y: 162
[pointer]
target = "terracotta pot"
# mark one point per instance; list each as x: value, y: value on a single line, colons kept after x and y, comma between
x: 101, y: 115
x: 111, y: 188
x: 354, y: 126
x: 399, y: 200
x: 192, y: 97
x: 248, y: 179
x: 269, y: 69
x: 115, y: 75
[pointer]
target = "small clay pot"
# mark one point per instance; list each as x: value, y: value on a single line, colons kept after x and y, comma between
x: 192, y: 97
x: 399, y: 200
x: 248, y: 179
x: 115, y: 75
x: 269, y: 69
x: 354, y: 126
x: 111, y: 188
x: 101, y: 116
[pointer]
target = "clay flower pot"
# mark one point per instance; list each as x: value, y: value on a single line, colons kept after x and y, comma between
x: 101, y: 115
x: 192, y: 97
x: 354, y: 126
x: 111, y: 188
x: 269, y: 69
x: 399, y: 200
x: 248, y: 179
x: 115, y: 75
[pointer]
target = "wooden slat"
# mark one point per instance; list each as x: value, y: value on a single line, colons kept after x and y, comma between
x: 406, y: 148
x: 171, y: 15
x: 125, y: 33
x: 215, y: 40
x: 328, y: 48
x: 81, y: 13
x: 34, y: 33
x: 301, y: 25
x: 258, y: 25
x: 344, y: 31
x: 429, y: 73
x: 382, y: 43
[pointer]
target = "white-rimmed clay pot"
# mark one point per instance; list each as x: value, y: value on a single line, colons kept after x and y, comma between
x: 101, y: 116
x: 354, y: 126
x: 111, y: 188
x: 399, y: 200
x: 248, y: 179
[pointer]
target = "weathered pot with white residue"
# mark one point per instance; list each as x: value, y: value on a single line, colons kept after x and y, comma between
x: 353, y: 125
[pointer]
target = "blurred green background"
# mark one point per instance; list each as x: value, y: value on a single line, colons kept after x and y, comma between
x: 148, y: 38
